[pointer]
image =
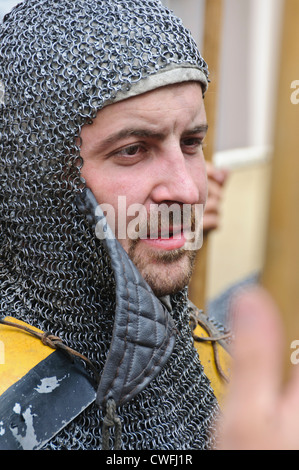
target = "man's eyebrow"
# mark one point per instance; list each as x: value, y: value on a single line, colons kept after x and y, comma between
x: 142, y: 133
x: 203, y: 128
x: 129, y: 132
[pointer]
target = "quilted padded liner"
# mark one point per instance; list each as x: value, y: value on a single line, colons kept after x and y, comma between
x: 143, y: 334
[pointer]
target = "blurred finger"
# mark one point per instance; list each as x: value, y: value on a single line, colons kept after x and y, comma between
x: 258, y: 349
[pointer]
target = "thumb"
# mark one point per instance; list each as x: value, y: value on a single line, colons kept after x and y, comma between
x: 258, y: 347
x: 249, y: 411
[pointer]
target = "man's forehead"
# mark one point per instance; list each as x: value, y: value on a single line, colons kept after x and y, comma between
x: 153, y: 100
x: 142, y: 114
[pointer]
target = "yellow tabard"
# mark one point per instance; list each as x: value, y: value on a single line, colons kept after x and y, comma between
x: 14, y: 364
x: 20, y: 352
x: 41, y: 389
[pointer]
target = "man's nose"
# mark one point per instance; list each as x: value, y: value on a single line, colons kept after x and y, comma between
x: 179, y: 180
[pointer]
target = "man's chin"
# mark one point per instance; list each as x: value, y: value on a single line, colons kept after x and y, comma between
x: 162, y: 286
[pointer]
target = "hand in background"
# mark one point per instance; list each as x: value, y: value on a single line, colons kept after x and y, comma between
x: 216, y: 182
x: 261, y: 412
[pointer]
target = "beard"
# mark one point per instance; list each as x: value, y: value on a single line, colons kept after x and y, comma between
x: 166, y: 272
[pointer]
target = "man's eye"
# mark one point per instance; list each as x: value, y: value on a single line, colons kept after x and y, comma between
x: 130, y: 154
x: 192, y: 143
x: 130, y: 151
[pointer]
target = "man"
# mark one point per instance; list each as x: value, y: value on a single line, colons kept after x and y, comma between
x: 217, y: 179
x: 104, y: 101
x: 103, y: 105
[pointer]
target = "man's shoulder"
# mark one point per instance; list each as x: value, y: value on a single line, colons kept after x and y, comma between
x: 214, y: 328
x: 212, y: 344
x: 36, y: 383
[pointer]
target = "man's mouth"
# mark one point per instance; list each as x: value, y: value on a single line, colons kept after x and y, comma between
x: 165, y: 233
x: 172, y: 238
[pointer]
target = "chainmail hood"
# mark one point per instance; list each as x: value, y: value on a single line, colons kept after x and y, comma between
x: 60, y: 62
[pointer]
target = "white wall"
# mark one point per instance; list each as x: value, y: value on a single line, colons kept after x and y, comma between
x: 192, y: 14
x: 6, y: 6
x: 264, y: 54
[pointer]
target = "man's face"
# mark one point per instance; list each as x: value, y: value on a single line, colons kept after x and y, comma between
x: 147, y: 150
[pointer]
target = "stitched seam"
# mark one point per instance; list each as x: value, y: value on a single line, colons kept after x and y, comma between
x: 128, y: 302
x: 122, y: 359
x: 148, y: 373
x: 138, y: 329
x: 157, y: 363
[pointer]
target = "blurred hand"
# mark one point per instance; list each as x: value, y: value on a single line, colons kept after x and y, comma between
x: 216, y: 182
x: 261, y: 413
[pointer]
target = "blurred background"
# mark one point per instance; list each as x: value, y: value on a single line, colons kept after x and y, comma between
x: 249, y: 61
x: 6, y: 6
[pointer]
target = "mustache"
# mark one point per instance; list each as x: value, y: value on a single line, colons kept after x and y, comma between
x: 165, y: 221
x: 158, y: 221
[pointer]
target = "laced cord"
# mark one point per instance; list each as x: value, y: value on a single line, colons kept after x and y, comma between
x: 111, y: 420
x: 195, y: 320
x: 53, y: 342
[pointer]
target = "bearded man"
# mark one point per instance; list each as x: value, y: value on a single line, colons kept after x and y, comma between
x: 103, y: 109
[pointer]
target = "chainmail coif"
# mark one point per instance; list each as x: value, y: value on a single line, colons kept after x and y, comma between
x: 60, y: 62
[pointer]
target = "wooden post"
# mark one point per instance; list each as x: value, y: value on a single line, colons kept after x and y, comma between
x: 211, y: 53
x: 281, y: 269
